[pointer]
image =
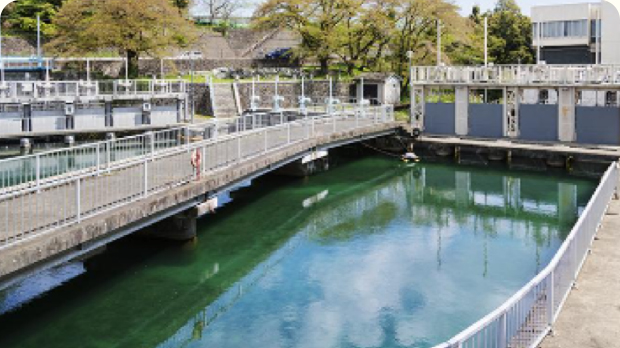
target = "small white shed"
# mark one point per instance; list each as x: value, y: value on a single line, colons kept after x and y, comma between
x: 378, y: 88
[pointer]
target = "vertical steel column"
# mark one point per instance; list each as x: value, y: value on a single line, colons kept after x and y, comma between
x: 511, y: 112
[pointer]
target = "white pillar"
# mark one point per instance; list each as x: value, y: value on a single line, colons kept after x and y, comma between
x: 461, y: 117
x: 566, y: 117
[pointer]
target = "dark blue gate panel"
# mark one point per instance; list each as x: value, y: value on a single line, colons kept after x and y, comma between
x: 597, y: 125
x: 485, y: 120
x: 538, y: 122
x: 439, y: 118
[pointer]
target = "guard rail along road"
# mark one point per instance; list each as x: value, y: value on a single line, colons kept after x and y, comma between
x: 528, y: 316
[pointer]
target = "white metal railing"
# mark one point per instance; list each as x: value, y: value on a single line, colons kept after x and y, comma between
x: 527, y: 317
x: 518, y: 74
x: 34, y: 170
x: 14, y: 91
x: 67, y: 200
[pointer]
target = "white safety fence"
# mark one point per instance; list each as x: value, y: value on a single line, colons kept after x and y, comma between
x: 14, y: 91
x: 527, y: 317
x: 67, y: 200
x: 36, y: 169
x: 518, y: 74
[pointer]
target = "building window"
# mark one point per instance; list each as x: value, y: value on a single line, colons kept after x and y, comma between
x: 594, y: 28
x: 561, y: 29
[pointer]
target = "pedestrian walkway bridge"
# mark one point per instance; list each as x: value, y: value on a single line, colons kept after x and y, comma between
x: 59, y: 215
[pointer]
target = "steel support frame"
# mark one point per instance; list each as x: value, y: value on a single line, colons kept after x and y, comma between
x: 418, y: 100
x: 511, y: 111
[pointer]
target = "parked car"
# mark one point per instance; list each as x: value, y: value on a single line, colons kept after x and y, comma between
x: 280, y: 53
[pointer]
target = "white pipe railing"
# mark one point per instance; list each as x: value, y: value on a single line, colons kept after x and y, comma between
x: 518, y: 75
x: 16, y: 91
x: 528, y: 316
x: 67, y: 200
x: 36, y: 169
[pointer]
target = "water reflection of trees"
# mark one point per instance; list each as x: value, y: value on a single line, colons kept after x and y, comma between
x: 443, y: 203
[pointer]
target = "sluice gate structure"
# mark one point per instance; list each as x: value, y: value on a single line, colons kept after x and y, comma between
x: 36, y: 108
x: 576, y: 105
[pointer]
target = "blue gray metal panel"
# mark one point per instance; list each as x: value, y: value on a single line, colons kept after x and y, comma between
x: 485, y: 120
x: 597, y: 125
x: 538, y: 122
x: 439, y: 118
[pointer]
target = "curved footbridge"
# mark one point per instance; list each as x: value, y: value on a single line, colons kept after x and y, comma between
x: 75, y: 215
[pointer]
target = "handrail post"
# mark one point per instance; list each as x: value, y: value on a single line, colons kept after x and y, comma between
x: 551, y: 298
x: 239, y: 148
x: 98, y: 159
x: 288, y: 136
x: 265, y: 132
x: 38, y: 171
x: 152, y: 144
x: 502, y: 331
x: 78, y: 197
x: 146, y: 177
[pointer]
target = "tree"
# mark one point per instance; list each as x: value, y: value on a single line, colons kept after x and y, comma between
x: 182, y: 5
x: 510, y: 34
x: 21, y: 16
x: 364, y: 33
x: 217, y: 9
x: 131, y: 26
x: 315, y: 21
x: 415, y: 30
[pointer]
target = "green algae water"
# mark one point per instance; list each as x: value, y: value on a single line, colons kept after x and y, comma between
x: 370, y: 254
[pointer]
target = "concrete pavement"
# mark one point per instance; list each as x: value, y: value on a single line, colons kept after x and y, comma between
x: 591, y: 315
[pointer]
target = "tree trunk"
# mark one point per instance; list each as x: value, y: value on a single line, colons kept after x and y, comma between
x: 324, y: 66
x: 133, y: 70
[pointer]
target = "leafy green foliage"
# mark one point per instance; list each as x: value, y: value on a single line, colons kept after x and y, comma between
x: 21, y: 16
x: 130, y: 26
x: 510, y: 34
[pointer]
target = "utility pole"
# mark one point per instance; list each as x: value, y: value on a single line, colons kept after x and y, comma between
x: 486, y: 35
x: 39, y: 37
x: 191, y: 95
x: 598, y: 38
x: 411, y: 96
x: 438, y: 42
x: 539, y: 43
x: 1, y: 58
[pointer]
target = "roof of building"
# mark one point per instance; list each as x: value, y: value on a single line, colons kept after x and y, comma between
x: 376, y: 76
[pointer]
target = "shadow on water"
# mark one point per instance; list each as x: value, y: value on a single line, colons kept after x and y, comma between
x: 143, y: 292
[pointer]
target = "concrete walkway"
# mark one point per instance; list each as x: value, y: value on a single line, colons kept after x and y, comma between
x: 591, y: 315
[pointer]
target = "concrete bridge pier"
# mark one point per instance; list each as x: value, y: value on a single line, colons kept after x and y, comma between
x: 25, y: 147
x: 69, y: 140
x: 180, y: 227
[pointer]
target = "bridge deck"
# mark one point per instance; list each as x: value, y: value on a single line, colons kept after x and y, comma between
x: 37, y: 225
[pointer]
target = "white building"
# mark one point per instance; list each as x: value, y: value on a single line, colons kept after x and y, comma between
x: 583, y: 33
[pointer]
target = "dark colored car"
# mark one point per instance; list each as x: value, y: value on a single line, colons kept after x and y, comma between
x: 280, y: 53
